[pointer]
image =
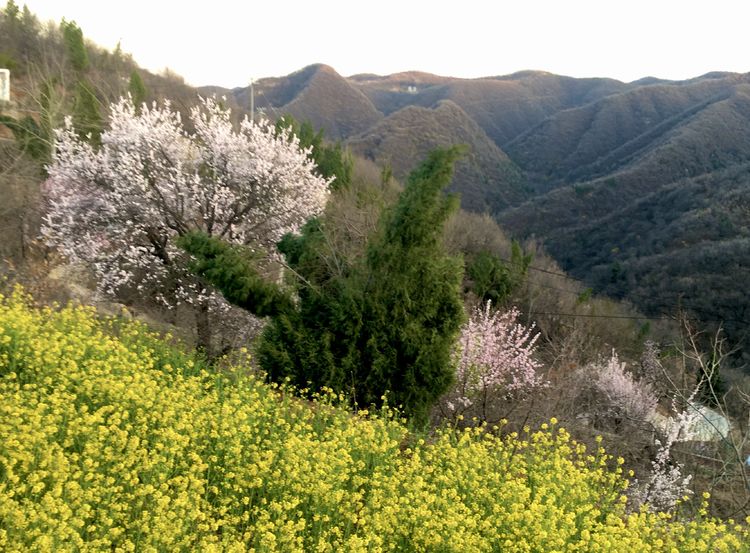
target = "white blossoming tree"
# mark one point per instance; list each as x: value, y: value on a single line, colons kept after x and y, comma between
x: 623, y: 395
x: 120, y: 208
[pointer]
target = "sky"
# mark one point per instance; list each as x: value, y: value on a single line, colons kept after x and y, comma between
x: 227, y: 43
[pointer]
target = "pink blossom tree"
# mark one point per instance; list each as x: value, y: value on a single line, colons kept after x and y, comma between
x: 495, y: 364
x: 119, y: 208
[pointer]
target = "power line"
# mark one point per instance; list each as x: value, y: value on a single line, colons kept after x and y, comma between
x: 623, y: 295
x: 655, y: 301
x: 595, y: 316
x: 572, y: 292
x: 539, y: 269
x: 579, y: 294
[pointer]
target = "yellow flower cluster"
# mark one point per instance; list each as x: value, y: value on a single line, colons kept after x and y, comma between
x: 113, y: 439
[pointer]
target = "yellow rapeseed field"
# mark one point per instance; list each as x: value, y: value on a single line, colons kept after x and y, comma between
x: 112, y: 439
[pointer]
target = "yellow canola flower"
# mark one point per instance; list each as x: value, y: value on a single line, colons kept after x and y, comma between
x: 114, y: 439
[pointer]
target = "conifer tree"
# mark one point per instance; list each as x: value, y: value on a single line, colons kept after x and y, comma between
x: 385, y: 324
x: 494, y: 279
x: 11, y: 10
x: 136, y: 88
x: 76, y: 49
x: 86, y: 116
x: 413, y: 309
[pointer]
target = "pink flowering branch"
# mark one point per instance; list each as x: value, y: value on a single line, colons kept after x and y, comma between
x: 495, y: 362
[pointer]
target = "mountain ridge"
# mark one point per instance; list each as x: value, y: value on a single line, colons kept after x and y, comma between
x: 486, y: 177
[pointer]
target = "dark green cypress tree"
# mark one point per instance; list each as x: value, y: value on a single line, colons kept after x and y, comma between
x: 233, y: 270
x: 317, y: 344
x: 384, y: 324
x: 137, y: 89
x: 411, y: 293
x: 76, y: 48
x: 87, y: 119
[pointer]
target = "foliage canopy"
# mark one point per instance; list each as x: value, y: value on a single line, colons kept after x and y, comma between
x: 331, y: 160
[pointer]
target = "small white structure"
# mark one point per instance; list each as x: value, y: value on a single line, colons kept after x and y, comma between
x: 705, y: 425
x: 4, y: 85
x: 709, y: 426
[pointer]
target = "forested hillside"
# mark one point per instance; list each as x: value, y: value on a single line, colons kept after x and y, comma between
x: 486, y: 179
x: 647, y: 200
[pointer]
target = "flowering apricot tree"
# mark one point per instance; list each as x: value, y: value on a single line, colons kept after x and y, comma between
x: 623, y: 394
x: 119, y: 208
x: 495, y: 363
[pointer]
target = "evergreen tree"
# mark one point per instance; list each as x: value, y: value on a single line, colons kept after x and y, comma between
x: 493, y: 279
x: 413, y: 308
x: 136, y: 88
x: 11, y: 10
x: 29, y: 136
x: 29, y: 21
x: 86, y: 116
x: 233, y: 270
x: 76, y: 49
x: 385, y: 323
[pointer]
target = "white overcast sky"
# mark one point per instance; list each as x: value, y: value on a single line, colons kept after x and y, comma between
x: 226, y: 43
